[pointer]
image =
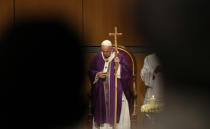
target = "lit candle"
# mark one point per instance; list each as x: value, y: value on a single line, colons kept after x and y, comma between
x: 152, y: 100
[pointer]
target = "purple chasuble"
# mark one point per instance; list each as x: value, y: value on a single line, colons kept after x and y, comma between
x: 103, y: 91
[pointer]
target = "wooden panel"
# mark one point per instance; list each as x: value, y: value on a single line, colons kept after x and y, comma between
x: 141, y: 89
x: 100, y: 17
x: 6, y: 14
x: 69, y: 10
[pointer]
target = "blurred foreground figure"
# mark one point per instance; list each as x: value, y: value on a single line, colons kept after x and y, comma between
x: 39, y: 87
x: 153, y: 79
x: 179, y: 32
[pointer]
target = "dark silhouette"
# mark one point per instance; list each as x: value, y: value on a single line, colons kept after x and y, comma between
x: 41, y: 75
x: 178, y: 31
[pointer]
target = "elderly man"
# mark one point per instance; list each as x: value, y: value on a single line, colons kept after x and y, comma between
x: 102, y: 77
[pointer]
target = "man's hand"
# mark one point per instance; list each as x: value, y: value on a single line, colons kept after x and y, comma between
x: 116, y: 60
x: 101, y: 75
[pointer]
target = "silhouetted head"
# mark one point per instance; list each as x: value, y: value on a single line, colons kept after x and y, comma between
x: 40, y: 74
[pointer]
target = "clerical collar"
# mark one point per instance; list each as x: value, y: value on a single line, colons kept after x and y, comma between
x: 110, y: 58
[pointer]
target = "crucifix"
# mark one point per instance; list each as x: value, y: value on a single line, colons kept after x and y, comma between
x: 115, y: 34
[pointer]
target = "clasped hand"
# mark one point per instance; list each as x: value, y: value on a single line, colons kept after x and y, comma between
x: 103, y: 74
x: 116, y: 60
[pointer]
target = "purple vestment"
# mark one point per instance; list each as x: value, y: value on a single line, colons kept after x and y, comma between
x: 103, y: 91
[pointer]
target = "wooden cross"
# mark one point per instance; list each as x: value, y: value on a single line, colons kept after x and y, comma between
x: 115, y: 34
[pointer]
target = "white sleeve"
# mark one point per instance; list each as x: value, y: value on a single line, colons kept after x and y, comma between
x: 96, y: 79
x: 146, y: 74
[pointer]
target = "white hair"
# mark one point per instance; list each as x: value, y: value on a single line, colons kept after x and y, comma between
x: 106, y: 43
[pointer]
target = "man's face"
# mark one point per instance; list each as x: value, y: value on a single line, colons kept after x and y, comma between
x: 106, y: 51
